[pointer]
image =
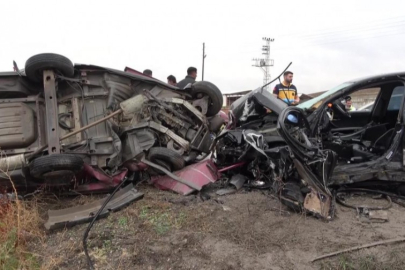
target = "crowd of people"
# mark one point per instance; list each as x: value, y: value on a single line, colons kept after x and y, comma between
x: 285, y: 91
x: 190, y: 77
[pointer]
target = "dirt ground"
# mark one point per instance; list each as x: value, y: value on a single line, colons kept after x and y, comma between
x: 246, y: 230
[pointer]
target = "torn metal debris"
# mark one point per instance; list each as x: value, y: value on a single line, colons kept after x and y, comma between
x: 84, y: 213
x: 198, y: 175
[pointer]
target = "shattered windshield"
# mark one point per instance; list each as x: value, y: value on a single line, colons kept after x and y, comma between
x: 315, y: 102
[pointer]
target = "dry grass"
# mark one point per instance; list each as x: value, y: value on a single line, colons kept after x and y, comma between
x: 19, y: 223
x: 386, y: 260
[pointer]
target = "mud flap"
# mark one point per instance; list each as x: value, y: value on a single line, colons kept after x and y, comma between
x: 84, y: 213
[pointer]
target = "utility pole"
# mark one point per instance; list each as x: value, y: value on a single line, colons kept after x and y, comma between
x: 265, y: 63
x: 203, y: 60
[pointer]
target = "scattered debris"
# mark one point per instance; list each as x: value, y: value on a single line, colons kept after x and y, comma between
x: 317, y: 205
x: 378, y: 216
x: 84, y: 213
x: 225, y: 191
x: 198, y: 175
x: 392, y: 241
x: 238, y: 181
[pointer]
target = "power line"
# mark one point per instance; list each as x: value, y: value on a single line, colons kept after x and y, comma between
x: 333, y: 41
x: 340, y: 41
x: 350, y: 27
x: 331, y: 38
x: 315, y: 43
x: 351, y: 36
x: 329, y: 31
x: 351, y: 31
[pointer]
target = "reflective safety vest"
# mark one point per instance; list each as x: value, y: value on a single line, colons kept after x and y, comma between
x: 286, y: 93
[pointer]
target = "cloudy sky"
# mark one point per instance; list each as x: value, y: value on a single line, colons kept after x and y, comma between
x: 327, y: 41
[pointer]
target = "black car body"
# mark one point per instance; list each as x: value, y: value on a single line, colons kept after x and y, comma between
x: 257, y: 111
x: 328, y: 149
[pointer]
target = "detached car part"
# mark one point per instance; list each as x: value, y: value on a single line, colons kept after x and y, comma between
x: 197, y: 175
x: 84, y: 213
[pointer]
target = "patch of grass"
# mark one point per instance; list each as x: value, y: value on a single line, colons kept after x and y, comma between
x: 162, y: 220
x: 345, y: 263
x: 369, y: 262
x: 99, y: 255
x: 107, y: 244
x: 123, y: 221
x: 144, y: 212
x: 19, y: 223
x: 180, y: 220
x: 8, y: 258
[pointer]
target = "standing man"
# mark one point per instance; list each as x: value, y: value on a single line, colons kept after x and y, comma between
x: 147, y: 72
x: 286, y: 91
x: 172, y: 80
x: 190, y: 78
x: 349, y: 106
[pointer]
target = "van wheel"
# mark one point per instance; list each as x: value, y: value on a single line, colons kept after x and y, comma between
x: 35, y: 66
x: 215, y: 99
x: 57, y: 164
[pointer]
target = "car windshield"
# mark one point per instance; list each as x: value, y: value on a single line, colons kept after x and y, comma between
x: 315, y: 102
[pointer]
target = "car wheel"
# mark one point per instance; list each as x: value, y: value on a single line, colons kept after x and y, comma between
x: 55, y: 165
x: 36, y: 64
x: 215, y: 99
x: 161, y: 155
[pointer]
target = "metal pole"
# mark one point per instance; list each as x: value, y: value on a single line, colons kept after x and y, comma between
x: 265, y: 63
x: 203, y: 60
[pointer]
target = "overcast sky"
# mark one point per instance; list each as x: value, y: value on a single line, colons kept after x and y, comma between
x: 327, y: 41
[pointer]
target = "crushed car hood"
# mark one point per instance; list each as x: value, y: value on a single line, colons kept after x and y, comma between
x: 265, y: 98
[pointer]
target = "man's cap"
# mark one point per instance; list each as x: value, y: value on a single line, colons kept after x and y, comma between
x: 348, y: 98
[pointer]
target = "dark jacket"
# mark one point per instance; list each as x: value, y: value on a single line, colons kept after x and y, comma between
x: 188, y: 79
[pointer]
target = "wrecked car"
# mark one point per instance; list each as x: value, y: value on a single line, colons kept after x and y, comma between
x: 328, y: 149
x: 334, y: 148
x: 88, y: 127
x: 251, y: 130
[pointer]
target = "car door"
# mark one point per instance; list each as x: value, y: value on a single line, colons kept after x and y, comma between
x: 394, y: 105
x: 360, y: 118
